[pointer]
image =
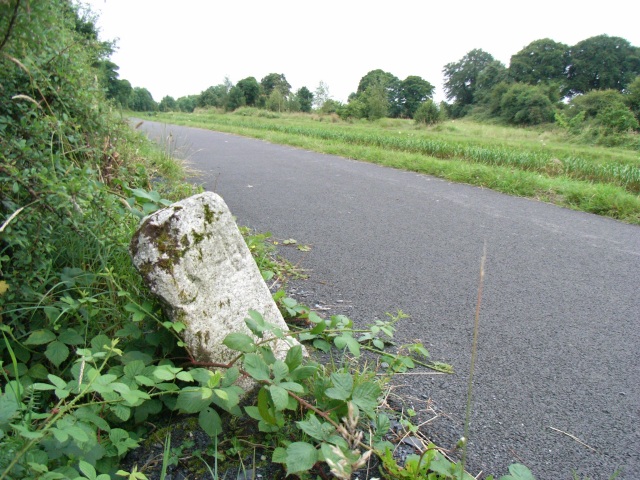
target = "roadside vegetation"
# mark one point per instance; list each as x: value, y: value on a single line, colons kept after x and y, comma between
x: 92, y: 370
x: 543, y: 164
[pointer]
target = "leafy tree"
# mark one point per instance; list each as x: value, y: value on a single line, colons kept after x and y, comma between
x: 276, y: 101
x: 275, y: 81
x: 488, y: 78
x: 187, y: 104
x: 321, y: 95
x: 305, y: 99
x: 215, y: 96
x: 542, y: 61
x: 414, y: 90
x: 390, y: 85
x: 376, y: 101
x: 142, y: 101
x: 632, y: 97
x: 356, y: 108
x: 167, y: 104
x: 601, y: 63
x: 251, y: 90
x: 595, y: 102
x: 460, y: 79
x: 427, y: 113
x: 331, y: 106
x: 235, y: 99
x: 524, y: 104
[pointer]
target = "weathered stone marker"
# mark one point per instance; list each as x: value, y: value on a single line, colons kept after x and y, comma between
x: 192, y: 255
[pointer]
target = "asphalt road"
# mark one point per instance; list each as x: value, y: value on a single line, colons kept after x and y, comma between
x: 560, y: 319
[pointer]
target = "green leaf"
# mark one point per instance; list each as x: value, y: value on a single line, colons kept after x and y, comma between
x: 518, y: 472
x: 8, y: 409
x: 316, y: 429
x: 166, y: 372
x: 294, y: 357
x: 26, y: 433
x: 322, y: 345
x: 280, y: 370
x: 40, y: 337
x: 69, y: 336
x: 256, y: 367
x: 256, y: 323
x: 263, y: 407
x: 301, y: 373
x: 301, y: 456
x: 121, y: 440
x: 87, y: 469
x: 134, y: 368
x: 347, y: 340
x: 365, y: 395
x: 342, y: 386
x: 279, y: 396
x: 292, y: 387
x: 194, y: 399
x: 57, y: 352
x: 279, y: 455
x: 210, y: 422
x: 185, y: 376
x: 240, y: 342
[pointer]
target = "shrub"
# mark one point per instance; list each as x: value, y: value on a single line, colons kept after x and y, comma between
x: 524, y: 104
x: 427, y: 113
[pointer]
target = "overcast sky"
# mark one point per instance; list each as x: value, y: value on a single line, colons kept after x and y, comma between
x: 182, y: 47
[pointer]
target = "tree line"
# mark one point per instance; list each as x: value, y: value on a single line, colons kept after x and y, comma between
x: 597, y: 81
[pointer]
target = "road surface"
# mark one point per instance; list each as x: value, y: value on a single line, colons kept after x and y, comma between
x: 557, y: 380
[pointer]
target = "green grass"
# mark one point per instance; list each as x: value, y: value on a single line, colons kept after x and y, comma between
x: 524, y: 162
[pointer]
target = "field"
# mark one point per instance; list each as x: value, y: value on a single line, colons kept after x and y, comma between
x: 538, y: 164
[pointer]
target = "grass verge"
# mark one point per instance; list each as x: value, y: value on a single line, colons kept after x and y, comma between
x: 596, y: 180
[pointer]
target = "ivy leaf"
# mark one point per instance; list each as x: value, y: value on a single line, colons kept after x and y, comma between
x: 240, y: 342
x: 256, y: 367
x: 301, y: 456
x: 40, y: 337
x: 57, y: 352
x: 210, y: 422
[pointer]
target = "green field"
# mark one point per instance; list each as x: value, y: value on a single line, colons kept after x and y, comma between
x: 533, y: 163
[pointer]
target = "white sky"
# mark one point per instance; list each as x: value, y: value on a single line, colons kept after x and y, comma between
x: 181, y: 47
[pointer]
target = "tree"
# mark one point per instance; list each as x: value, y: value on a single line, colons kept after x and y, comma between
x: 251, y: 90
x: 390, y: 85
x: 376, y: 101
x: 414, y: 91
x: 215, y: 96
x: 542, y: 61
x: 275, y: 81
x: 460, y: 79
x: 276, y: 101
x: 427, y: 113
x: 601, y: 63
x: 632, y: 97
x: 305, y: 99
x: 187, y: 104
x: 235, y: 99
x: 167, y: 104
x: 142, y: 101
x: 321, y: 95
x: 488, y: 78
x: 524, y: 104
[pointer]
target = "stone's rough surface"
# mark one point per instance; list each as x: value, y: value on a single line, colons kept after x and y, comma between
x: 194, y: 258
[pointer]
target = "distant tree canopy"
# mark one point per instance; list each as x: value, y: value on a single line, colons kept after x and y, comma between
x: 142, y: 101
x: 542, y: 61
x: 305, y: 99
x: 275, y: 81
x: 251, y: 90
x: 414, y: 91
x: 461, y: 77
x: 601, y: 63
